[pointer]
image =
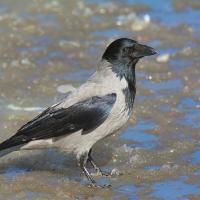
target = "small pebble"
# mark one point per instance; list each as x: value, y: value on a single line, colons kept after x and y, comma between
x: 65, y: 88
x: 115, y: 171
x: 25, y: 61
x: 163, y: 58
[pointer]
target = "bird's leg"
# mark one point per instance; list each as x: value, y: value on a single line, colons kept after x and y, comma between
x: 82, y: 160
x: 82, y: 163
x: 98, y: 170
x: 90, y: 159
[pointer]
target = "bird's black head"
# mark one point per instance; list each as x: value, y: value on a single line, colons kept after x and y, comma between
x: 126, y: 51
x: 123, y: 54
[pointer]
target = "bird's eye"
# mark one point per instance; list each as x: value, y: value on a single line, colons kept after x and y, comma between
x: 127, y: 51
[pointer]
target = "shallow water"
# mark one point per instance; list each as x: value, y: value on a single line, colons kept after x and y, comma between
x: 45, y: 45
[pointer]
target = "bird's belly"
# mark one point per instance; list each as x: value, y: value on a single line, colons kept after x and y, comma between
x: 38, y: 144
x: 75, y: 143
x: 112, y: 125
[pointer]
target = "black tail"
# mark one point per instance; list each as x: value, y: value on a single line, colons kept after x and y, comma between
x: 10, y: 145
x: 10, y: 150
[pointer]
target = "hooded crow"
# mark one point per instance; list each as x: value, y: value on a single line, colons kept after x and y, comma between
x: 95, y: 110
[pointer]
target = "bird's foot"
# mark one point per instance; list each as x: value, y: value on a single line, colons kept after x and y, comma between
x: 102, y: 173
x: 106, y: 174
x: 94, y: 185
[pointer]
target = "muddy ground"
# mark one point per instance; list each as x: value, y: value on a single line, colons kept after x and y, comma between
x: 48, y: 45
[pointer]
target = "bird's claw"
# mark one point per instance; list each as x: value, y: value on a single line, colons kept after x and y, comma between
x: 106, y: 186
x: 106, y: 174
x: 103, y: 174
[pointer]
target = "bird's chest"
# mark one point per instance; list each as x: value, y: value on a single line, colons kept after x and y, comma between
x: 126, y: 95
x: 121, y: 111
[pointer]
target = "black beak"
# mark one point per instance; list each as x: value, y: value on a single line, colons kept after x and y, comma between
x: 141, y: 50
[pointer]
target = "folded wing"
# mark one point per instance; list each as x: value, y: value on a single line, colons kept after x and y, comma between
x: 86, y: 115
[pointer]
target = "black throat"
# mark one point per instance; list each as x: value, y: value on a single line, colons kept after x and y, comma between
x: 127, y: 71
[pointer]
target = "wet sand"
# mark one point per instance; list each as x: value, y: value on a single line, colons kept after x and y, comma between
x: 45, y: 46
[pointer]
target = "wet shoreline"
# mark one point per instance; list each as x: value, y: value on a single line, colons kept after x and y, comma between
x: 48, y: 44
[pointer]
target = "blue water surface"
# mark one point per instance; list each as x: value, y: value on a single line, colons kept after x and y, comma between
x: 111, y: 33
x: 175, y: 84
x: 162, y: 8
x: 196, y: 157
x: 174, y: 189
x: 130, y: 190
x: 139, y: 133
x: 13, y: 172
x: 192, y: 112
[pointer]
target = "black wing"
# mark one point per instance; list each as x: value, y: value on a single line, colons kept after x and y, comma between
x: 53, y: 122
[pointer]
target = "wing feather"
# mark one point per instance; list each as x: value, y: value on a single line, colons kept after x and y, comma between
x: 54, y: 122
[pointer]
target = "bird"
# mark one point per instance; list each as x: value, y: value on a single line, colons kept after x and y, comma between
x: 98, y: 108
